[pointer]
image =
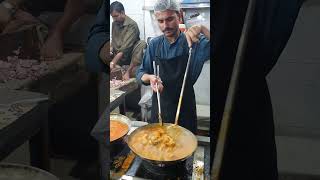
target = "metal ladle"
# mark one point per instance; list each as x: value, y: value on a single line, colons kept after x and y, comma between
x: 182, y: 88
x: 156, y: 72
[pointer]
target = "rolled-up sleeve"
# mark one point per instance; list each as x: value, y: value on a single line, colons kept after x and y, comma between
x: 146, y: 65
x: 99, y: 34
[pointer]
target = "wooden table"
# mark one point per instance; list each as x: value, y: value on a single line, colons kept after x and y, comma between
x: 23, y: 121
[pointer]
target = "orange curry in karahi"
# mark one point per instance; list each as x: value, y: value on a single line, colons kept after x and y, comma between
x: 117, y: 129
x: 160, y: 144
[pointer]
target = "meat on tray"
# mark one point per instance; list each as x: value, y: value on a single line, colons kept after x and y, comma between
x: 14, y: 68
x: 114, y: 83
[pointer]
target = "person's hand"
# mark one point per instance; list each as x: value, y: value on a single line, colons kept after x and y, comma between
x: 192, y: 34
x: 126, y: 76
x: 153, y: 82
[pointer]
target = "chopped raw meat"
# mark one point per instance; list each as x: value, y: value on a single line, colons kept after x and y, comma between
x: 15, y: 68
x: 4, y: 65
x: 12, y: 59
x: 27, y: 63
x: 35, y: 68
x: 12, y: 73
x: 116, y: 83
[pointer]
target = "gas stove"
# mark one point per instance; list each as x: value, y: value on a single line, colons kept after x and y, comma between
x: 126, y: 165
x: 145, y: 170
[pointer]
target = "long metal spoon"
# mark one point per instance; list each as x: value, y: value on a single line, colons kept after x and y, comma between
x: 156, y: 72
x: 182, y: 88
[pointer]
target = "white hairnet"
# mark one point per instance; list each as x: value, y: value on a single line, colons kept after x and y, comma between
x: 162, y: 5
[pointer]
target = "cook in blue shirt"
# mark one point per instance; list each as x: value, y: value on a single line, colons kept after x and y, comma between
x: 200, y: 54
x: 170, y: 51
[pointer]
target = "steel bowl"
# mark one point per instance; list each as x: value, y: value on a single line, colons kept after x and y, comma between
x: 118, y: 144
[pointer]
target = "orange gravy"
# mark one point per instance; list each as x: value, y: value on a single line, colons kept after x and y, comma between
x: 157, y: 143
x: 117, y: 129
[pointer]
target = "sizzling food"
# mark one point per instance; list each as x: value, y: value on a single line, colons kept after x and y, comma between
x: 160, y: 144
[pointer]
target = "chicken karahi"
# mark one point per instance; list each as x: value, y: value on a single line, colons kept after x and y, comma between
x: 158, y: 143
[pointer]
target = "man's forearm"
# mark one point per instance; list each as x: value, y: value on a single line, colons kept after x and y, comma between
x: 133, y: 64
x: 117, y: 57
x: 145, y: 78
x: 132, y: 68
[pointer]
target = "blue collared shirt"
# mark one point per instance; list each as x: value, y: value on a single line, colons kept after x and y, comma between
x: 200, y: 54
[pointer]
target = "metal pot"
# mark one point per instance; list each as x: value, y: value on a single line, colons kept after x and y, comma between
x: 157, y: 162
x: 118, y: 144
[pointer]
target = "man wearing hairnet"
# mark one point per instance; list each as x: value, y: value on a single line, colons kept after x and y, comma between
x: 170, y: 51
